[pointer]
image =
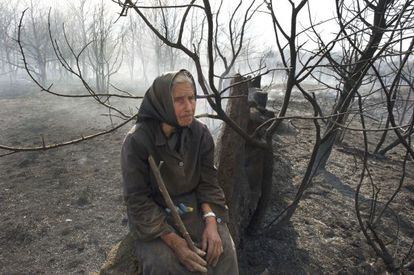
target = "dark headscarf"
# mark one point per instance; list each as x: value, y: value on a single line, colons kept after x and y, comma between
x: 158, y: 105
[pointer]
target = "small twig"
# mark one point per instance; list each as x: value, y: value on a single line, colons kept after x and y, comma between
x: 43, y: 141
x: 125, y: 92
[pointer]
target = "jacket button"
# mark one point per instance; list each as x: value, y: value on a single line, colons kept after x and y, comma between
x: 181, y: 164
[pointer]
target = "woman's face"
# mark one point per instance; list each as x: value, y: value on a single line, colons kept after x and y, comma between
x: 184, y: 103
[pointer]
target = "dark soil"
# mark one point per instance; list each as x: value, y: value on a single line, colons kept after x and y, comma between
x: 62, y: 209
x: 324, y: 235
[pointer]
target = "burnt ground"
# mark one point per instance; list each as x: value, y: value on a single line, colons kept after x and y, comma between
x: 324, y: 235
x: 61, y: 210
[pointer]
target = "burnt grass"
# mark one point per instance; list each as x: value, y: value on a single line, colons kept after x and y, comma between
x: 62, y: 209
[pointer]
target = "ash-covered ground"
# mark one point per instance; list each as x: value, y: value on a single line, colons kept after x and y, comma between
x: 62, y: 209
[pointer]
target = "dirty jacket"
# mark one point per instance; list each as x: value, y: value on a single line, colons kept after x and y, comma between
x: 190, y: 177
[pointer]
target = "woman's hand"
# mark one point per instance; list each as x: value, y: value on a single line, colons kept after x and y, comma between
x: 193, y: 261
x: 211, y: 241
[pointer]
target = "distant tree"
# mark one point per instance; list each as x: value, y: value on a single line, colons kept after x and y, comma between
x: 36, y: 42
x: 77, y: 23
x: 105, y: 51
x: 9, y: 58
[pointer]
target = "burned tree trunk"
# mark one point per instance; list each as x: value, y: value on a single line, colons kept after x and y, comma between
x: 245, y: 171
x: 352, y: 82
x: 230, y: 154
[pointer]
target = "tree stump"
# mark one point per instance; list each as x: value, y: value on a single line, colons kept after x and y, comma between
x: 121, y: 259
x: 243, y: 170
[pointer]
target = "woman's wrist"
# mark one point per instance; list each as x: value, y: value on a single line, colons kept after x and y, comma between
x: 210, y: 221
x: 170, y: 239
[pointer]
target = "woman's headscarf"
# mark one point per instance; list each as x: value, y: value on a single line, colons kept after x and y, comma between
x: 158, y: 105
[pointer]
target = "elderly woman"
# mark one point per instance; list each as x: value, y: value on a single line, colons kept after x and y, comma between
x: 167, y: 130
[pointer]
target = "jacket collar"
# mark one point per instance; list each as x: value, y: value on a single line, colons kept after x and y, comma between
x: 161, y: 140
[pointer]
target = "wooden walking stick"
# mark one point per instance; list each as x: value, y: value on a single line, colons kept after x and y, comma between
x: 164, y: 192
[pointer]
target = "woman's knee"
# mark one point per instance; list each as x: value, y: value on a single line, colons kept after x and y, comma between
x: 155, y: 252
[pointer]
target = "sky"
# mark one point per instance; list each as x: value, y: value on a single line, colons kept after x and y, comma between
x: 261, y: 23
x: 321, y: 11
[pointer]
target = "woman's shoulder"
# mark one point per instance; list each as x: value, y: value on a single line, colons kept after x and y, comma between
x: 140, y: 133
x: 198, y: 126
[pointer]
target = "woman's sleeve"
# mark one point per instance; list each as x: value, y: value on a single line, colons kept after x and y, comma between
x: 145, y: 217
x: 209, y: 190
